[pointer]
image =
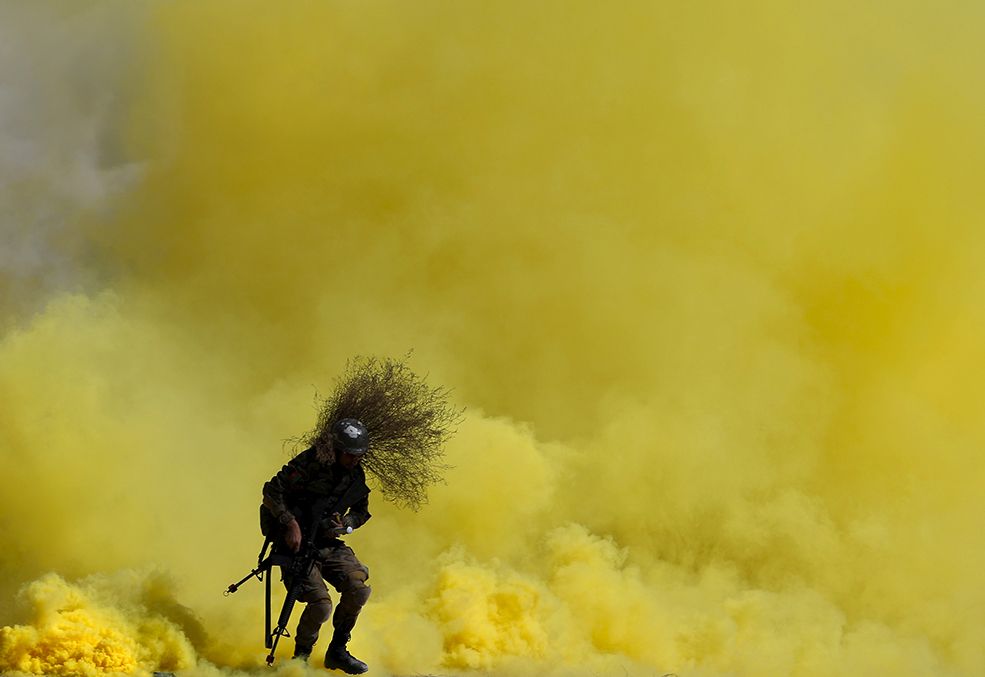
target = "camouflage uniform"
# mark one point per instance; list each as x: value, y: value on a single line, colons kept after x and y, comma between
x: 306, y: 479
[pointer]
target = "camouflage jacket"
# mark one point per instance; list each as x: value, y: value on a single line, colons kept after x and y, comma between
x: 306, y: 480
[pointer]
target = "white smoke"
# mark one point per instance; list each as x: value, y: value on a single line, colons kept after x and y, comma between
x: 63, y: 72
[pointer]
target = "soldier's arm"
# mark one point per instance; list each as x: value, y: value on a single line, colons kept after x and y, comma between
x: 358, y: 514
x: 282, y: 485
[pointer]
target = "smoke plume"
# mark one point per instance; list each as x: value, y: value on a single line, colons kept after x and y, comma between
x: 706, y: 278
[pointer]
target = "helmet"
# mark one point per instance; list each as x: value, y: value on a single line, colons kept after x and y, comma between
x: 351, y: 436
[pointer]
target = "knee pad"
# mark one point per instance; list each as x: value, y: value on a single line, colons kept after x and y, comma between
x: 356, y: 595
x: 320, y: 609
x: 356, y: 579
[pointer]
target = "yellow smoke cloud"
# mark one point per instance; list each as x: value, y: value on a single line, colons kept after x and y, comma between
x: 89, y: 630
x: 707, y: 278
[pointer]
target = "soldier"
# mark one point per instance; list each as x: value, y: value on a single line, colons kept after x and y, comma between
x: 381, y: 419
x: 326, y: 471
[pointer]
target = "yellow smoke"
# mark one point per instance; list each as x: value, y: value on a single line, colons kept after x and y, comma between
x: 707, y: 278
x: 90, y: 630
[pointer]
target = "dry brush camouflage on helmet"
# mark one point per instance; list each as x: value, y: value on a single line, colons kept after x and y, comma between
x: 406, y: 424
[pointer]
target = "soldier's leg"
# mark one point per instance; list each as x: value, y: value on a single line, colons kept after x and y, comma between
x: 349, y: 576
x: 317, y: 610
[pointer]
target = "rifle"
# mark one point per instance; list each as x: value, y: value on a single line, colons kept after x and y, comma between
x: 294, y: 567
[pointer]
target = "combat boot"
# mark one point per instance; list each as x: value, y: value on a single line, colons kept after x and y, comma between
x: 301, y: 653
x: 338, y: 657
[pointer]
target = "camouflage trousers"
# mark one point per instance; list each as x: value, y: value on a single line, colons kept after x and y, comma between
x: 338, y: 565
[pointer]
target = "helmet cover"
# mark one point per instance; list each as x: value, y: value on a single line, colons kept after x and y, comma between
x: 351, y: 436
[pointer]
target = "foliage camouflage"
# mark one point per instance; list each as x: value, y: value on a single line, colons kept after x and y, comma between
x: 408, y: 423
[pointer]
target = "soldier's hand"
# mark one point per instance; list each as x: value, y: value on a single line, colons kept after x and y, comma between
x: 293, y: 536
x: 337, y: 524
